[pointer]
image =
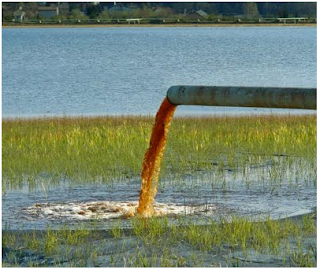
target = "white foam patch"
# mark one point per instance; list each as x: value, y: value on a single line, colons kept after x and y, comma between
x: 108, y: 210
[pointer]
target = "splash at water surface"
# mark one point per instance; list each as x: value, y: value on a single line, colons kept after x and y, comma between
x: 105, y: 210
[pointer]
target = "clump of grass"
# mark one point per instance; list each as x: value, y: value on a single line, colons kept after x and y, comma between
x: 116, y: 229
x: 237, y: 233
x: 303, y: 259
x: 150, y: 230
x: 241, y: 232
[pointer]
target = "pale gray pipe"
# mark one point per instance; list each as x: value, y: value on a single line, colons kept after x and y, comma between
x: 269, y: 97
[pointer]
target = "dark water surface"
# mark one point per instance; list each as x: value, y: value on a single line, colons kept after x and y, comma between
x: 112, y: 71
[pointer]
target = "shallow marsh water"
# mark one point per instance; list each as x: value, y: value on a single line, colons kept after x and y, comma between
x: 230, y: 193
x: 104, y: 249
x: 253, y: 194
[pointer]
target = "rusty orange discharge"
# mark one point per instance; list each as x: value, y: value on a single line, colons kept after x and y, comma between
x: 152, y: 158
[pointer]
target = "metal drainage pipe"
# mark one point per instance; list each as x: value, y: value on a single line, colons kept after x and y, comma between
x: 268, y: 97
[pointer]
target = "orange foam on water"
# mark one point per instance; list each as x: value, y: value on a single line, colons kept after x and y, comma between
x: 152, y: 159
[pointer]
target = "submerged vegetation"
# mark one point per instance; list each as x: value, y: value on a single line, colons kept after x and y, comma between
x: 105, y: 149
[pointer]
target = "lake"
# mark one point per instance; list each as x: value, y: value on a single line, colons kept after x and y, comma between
x: 122, y: 70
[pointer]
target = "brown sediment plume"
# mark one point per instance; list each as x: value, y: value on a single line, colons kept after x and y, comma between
x: 152, y: 158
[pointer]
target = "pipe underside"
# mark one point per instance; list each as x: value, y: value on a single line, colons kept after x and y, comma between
x: 267, y: 97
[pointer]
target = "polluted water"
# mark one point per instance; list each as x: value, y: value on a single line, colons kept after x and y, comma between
x: 92, y: 202
x: 152, y: 159
x: 146, y: 207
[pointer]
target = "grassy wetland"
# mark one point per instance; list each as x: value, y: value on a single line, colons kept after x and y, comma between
x: 206, y: 160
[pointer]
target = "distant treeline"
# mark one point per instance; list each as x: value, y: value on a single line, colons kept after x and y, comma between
x: 25, y: 11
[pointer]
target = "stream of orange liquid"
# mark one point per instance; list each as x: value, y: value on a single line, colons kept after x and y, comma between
x: 152, y: 158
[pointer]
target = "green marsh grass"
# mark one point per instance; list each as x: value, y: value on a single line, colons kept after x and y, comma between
x: 151, y: 242
x: 265, y: 236
x: 106, y: 149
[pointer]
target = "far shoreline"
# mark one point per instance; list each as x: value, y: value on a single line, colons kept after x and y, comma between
x: 163, y: 25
